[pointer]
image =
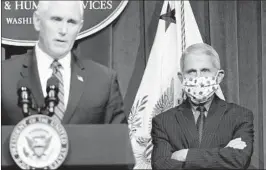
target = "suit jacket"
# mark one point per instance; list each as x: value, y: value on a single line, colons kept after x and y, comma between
x: 175, y: 129
x: 95, y: 100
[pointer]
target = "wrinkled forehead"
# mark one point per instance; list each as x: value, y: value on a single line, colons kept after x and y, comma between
x: 198, y: 60
x: 65, y: 8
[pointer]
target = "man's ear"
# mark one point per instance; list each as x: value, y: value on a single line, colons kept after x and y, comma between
x: 36, y: 21
x: 220, y: 76
x: 180, y: 76
x: 81, y: 25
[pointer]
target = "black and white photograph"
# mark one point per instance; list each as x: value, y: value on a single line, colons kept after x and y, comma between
x: 133, y: 84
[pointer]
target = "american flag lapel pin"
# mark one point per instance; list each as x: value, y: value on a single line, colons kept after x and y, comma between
x: 80, y: 78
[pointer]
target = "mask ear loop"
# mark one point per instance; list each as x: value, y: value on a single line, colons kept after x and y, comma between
x: 216, y: 76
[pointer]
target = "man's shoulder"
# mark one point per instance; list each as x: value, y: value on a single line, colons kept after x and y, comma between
x: 14, y: 60
x: 96, y: 68
x: 238, y: 109
x: 11, y: 67
x: 168, y: 114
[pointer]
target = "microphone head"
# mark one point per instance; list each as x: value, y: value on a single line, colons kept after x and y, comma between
x: 24, y: 93
x: 52, y: 82
x: 23, y: 83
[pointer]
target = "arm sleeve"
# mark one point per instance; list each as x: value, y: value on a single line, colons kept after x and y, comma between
x: 162, y: 149
x: 226, y: 158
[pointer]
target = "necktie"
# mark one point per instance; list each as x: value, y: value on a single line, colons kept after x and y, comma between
x: 201, y: 121
x: 60, y: 108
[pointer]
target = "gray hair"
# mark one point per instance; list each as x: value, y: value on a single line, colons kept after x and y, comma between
x: 201, y: 48
x: 43, y: 6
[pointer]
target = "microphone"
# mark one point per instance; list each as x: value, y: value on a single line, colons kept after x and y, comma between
x: 51, y: 99
x: 24, y: 97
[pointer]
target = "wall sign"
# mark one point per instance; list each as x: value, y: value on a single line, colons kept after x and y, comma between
x: 17, y: 22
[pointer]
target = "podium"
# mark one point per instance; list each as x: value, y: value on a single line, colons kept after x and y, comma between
x: 104, y: 146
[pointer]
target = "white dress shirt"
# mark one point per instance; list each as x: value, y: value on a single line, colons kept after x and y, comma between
x: 196, y: 113
x: 45, y: 71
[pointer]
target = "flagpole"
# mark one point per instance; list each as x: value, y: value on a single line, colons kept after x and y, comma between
x: 179, y: 50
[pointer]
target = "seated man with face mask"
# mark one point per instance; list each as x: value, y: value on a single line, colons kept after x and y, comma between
x: 204, y: 131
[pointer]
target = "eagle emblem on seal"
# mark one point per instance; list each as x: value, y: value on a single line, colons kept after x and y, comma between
x: 38, y: 146
x: 38, y: 142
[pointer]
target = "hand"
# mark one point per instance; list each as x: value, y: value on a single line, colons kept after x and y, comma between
x: 180, y: 155
x: 236, y: 144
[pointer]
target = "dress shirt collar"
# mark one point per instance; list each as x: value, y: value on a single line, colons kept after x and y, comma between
x: 207, y: 105
x: 47, y: 60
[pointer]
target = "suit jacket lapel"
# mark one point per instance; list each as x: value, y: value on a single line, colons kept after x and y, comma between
x: 30, y: 71
x: 186, y: 120
x: 215, y: 114
x: 77, y: 83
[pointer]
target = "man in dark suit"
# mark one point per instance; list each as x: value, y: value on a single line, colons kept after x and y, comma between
x: 88, y: 92
x: 204, y: 131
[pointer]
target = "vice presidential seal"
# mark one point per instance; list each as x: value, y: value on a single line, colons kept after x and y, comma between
x: 39, y: 141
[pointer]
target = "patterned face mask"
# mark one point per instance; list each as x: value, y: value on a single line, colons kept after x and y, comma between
x: 200, y: 89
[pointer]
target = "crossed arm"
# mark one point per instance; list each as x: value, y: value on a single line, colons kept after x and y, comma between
x: 236, y: 154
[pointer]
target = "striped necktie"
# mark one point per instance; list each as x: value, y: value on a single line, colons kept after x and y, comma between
x: 60, y: 108
x: 201, y: 121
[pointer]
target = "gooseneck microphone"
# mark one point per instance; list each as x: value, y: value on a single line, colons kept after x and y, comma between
x: 24, y: 97
x: 51, y: 99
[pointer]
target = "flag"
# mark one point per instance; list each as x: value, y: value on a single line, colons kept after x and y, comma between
x: 160, y: 88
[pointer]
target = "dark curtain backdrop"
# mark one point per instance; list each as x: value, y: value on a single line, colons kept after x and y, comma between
x: 236, y: 29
